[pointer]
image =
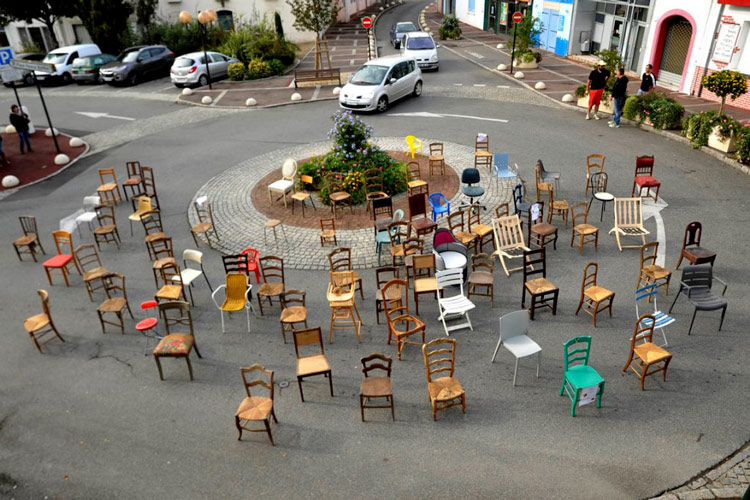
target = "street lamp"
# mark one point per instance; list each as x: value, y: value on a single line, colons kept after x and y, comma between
x: 204, y: 17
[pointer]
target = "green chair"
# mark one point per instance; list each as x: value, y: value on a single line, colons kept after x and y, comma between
x: 580, y: 376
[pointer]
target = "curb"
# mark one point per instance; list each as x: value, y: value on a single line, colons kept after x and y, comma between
x: 372, y: 40
x: 250, y: 108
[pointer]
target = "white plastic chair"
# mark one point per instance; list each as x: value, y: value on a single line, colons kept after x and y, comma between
x: 455, y: 306
x: 188, y: 274
x: 513, y: 329
x: 644, y: 294
x: 230, y: 303
x: 90, y: 203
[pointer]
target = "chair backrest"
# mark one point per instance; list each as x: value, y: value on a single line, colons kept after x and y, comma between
x: 252, y: 256
x: 114, y: 283
x: 411, y: 141
x: 28, y: 225
x: 398, y: 231
x: 443, y: 236
x: 647, y: 293
x: 87, y: 257
x: 425, y: 262
x: 474, y: 216
x: 382, y: 207
x: 334, y: 183
x: 514, y: 324
x: 500, y: 162
x: 144, y: 204
x: 107, y: 175
x: 149, y: 185
x: 450, y: 277
x: 63, y: 242
x: 398, y: 307
x: 644, y: 329
x: 482, y: 262
x: 134, y: 168
x: 161, y: 248
x: 373, y: 180
x: 398, y: 215
x: 692, y: 235
x: 194, y: 256
x: 204, y: 213
x: 236, y: 263
x: 417, y: 205
x: 376, y: 362
x: 598, y: 182
x: 328, y: 225
x: 414, y: 172
x: 105, y: 214
x: 305, y: 337
x: 152, y: 222
x: 576, y: 351
x: 177, y: 315
x: 540, y: 164
x: 700, y: 275
x: 436, y: 148
x: 236, y: 286
x: 644, y: 165
x: 289, y: 169
x: 439, y: 358
x: 628, y: 212
x: 481, y: 142
x: 590, y: 273
x: 264, y: 379
x: 508, y: 232
x: 648, y: 253
x: 437, y: 200
x: 503, y: 209
x: 517, y: 197
x: 272, y: 268
x: 340, y: 259
x: 306, y: 180
x: 293, y: 297
x: 342, y: 280
x: 470, y: 176
x: 413, y: 245
x: 456, y: 221
x: 578, y: 210
x: 594, y: 163
x: 384, y: 274
x: 534, y: 262
x: 170, y: 274
x: 44, y: 297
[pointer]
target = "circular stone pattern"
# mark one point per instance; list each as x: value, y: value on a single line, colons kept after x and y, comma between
x: 240, y: 225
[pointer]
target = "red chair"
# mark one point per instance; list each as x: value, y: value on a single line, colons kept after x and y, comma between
x: 146, y: 325
x: 644, y: 171
x: 62, y: 260
x: 253, y: 256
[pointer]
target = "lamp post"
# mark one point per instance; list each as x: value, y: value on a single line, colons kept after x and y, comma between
x: 204, y: 17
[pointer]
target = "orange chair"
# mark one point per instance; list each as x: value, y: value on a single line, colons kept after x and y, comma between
x: 61, y: 261
x: 253, y: 257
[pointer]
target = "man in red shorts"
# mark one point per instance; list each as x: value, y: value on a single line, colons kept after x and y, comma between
x: 595, y: 88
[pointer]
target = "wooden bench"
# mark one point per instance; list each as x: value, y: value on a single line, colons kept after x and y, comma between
x: 317, y: 75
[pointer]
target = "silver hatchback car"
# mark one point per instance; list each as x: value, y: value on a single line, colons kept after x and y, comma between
x: 380, y: 82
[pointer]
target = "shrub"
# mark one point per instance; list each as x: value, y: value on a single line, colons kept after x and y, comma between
x: 632, y: 108
x: 180, y: 38
x: 258, y: 68
x: 580, y: 91
x: 450, y: 30
x: 236, y: 71
x: 662, y: 111
x: 743, y: 146
x: 697, y: 127
x: 726, y: 83
x: 277, y: 67
x: 277, y: 23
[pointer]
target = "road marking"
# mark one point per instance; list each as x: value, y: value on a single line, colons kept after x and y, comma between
x: 478, y: 56
x: 315, y: 93
x: 458, y: 84
x: 427, y: 114
x: 503, y: 86
x: 651, y: 209
x: 480, y: 85
x: 218, y: 98
x: 171, y: 87
x: 94, y: 115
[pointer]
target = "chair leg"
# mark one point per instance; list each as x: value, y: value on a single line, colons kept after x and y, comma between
x: 723, y: 312
x: 515, y: 371
x: 158, y: 365
x: 330, y: 382
x: 239, y: 427
x: 393, y: 408
x: 301, y: 394
x: 362, y: 406
x: 190, y: 366
x: 692, y: 320
x: 268, y: 430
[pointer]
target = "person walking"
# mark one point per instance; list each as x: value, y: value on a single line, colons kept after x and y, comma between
x: 619, y: 92
x: 595, y: 88
x: 20, y: 121
x: 648, y: 81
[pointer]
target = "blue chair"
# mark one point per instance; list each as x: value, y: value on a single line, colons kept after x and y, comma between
x: 581, y: 376
x: 383, y: 237
x: 501, y: 168
x: 439, y: 205
x: 648, y: 294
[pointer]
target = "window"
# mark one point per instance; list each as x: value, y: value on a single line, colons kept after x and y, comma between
x: 472, y: 5
x: 599, y: 18
x: 741, y: 60
x: 3, y: 38
x: 411, y: 66
x: 225, y: 19
x: 72, y: 56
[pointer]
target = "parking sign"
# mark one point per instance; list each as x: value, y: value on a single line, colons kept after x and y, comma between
x: 6, y: 54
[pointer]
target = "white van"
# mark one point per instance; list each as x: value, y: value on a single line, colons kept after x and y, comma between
x: 380, y: 82
x: 422, y: 48
x: 63, y: 58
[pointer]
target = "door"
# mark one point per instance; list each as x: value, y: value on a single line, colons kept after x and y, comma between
x: 615, y: 39
x: 674, y: 52
x: 550, y: 31
x: 637, y: 48
x: 218, y: 65
x: 403, y: 85
x: 492, y: 13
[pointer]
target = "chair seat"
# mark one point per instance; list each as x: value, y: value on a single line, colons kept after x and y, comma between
x: 603, y: 196
x: 96, y: 273
x: 86, y: 217
x: 581, y: 376
x: 481, y: 230
x: 598, y: 294
x: 481, y: 278
x: 300, y: 196
x: 456, y: 304
x: 425, y: 285
x: 187, y: 276
x: 271, y: 289
x: 416, y: 183
x: 543, y: 229
x: 662, y: 320
x: 539, y: 285
x: 521, y: 346
x: 382, y: 237
x: 154, y: 236
x: 705, y: 300
x: 560, y: 205
x: 699, y: 253
x: 585, y: 229
x: 550, y: 175
x: 115, y: 304
x: 482, y: 153
x: 422, y: 224
x: 58, y: 261
x: 254, y: 408
x: 282, y: 185
x: 472, y: 191
x: 201, y: 227
x: 175, y: 344
x: 312, y: 364
x: 133, y: 181
x: 513, y: 251
x: 25, y: 240
x: 651, y: 353
x: 340, y: 196
x: 437, y: 157
x: 159, y: 263
x: 656, y: 272
x: 110, y: 186
x: 146, y: 324
x: 294, y: 314
x: 394, y: 293
x: 341, y: 298
x: 328, y: 233
x: 465, y: 237
x: 397, y: 250
x: 375, y: 387
x: 632, y: 230
x: 169, y: 292
x: 444, y: 389
x: 136, y: 216
x: 105, y: 229
x: 36, y: 322
x: 232, y: 304
x: 647, y: 181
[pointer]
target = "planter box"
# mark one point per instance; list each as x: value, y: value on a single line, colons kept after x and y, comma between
x: 606, y: 106
x: 723, y: 145
x: 525, y: 65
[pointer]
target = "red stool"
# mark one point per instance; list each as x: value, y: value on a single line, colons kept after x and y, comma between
x: 149, y: 324
x: 252, y: 263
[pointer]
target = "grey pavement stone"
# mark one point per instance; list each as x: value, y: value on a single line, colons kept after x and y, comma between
x: 736, y: 492
x: 696, y: 495
x: 666, y: 496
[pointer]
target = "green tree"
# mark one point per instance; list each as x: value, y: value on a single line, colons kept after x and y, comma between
x: 527, y: 34
x: 279, y: 26
x: 45, y: 11
x: 726, y: 83
x: 106, y: 22
x: 314, y: 15
x: 144, y: 13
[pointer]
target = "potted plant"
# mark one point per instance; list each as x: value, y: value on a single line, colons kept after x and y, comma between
x: 724, y: 131
x: 527, y: 34
x: 725, y: 83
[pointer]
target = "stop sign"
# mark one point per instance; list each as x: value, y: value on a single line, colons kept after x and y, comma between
x: 517, y: 17
x: 367, y: 23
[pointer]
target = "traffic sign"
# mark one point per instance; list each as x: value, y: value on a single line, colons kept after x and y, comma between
x: 6, y: 54
x: 32, y: 65
x: 517, y: 17
x: 367, y: 23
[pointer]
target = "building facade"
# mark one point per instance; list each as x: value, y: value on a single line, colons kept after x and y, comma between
x: 35, y: 36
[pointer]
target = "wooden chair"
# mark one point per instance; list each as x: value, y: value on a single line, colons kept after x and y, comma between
x: 273, y: 224
x: 108, y: 190
x: 163, y: 253
x: 171, y: 287
x: 341, y: 260
x: 414, y: 182
x: 152, y: 228
x: 205, y: 227
x: 644, y: 178
x: 176, y: 344
x: 88, y: 261
x: 256, y: 408
x: 382, y: 276
x: 64, y: 257
x: 422, y: 264
x: 482, y: 154
x: 629, y: 221
x: 457, y: 226
x: 382, y: 213
x: 41, y: 325
x: 444, y: 389
x: 692, y: 249
x: 543, y: 292
x: 141, y: 206
x: 594, y: 164
x: 373, y: 187
x: 115, y: 303
x: 482, y: 231
x: 420, y: 222
x: 541, y: 185
x: 30, y: 238
x: 557, y: 208
x: 314, y: 364
x: 578, y: 376
x: 328, y: 231
x: 272, y: 268
x: 107, y: 231
x: 540, y: 233
x: 502, y: 210
x: 337, y: 195
x: 646, y: 354
x: 237, y: 296
x: 437, y: 158
x: 303, y: 194
x: 596, y: 299
x: 293, y: 311
x: 585, y: 232
x: 650, y: 272
x: 398, y: 233
x: 344, y: 312
x: 401, y: 324
x: 648, y: 293
x: 482, y: 277
x: 149, y: 186
x: 134, y: 179
x: 378, y: 386
x: 509, y: 242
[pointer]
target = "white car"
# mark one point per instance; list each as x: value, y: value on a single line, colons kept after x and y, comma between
x: 380, y: 82
x: 63, y: 58
x: 190, y: 69
x: 420, y: 46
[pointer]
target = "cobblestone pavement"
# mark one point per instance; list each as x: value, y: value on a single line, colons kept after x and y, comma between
x: 239, y: 223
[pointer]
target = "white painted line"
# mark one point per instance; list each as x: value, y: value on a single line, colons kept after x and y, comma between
x: 315, y: 93
x: 651, y: 209
x: 218, y: 98
x: 427, y: 114
x: 171, y: 87
x: 480, y: 85
x: 95, y: 115
x: 503, y: 86
x: 478, y: 56
x: 458, y: 84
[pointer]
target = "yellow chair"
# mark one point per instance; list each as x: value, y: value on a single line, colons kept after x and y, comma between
x: 143, y: 206
x: 414, y: 145
x: 236, y: 291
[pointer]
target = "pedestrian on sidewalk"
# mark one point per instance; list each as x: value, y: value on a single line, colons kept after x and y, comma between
x: 3, y: 160
x: 20, y: 121
x: 619, y: 92
x: 595, y: 88
x: 648, y: 81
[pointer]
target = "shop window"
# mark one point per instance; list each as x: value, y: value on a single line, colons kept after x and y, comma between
x: 610, y: 8
x: 472, y: 5
x: 620, y: 10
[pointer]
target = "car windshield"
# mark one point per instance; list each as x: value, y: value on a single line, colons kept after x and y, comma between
x: 369, y: 75
x: 405, y: 28
x: 183, y: 62
x: 55, y: 58
x: 80, y: 61
x: 128, y: 56
x: 420, y: 43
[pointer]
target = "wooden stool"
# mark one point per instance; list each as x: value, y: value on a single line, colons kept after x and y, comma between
x: 273, y: 224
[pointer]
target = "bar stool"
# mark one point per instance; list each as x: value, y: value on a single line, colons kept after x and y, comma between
x: 273, y: 224
x: 149, y: 324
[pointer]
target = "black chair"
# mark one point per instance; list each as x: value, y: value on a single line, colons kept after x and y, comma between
x: 235, y: 263
x: 549, y: 176
x: 519, y: 205
x: 598, y: 186
x: 696, y: 284
x: 471, y: 188
x: 382, y: 213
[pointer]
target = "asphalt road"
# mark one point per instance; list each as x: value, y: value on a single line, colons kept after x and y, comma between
x: 91, y: 420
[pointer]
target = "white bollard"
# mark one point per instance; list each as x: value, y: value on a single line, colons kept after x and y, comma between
x: 206, y: 99
x: 568, y: 98
x: 336, y: 90
x: 187, y: 91
x: 48, y: 132
x: 502, y: 67
x: 62, y: 159
x: 296, y: 97
x: 519, y: 75
x: 540, y: 86
x: 500, y: 45
x: 76, y: 142
x: 10, y: 181
x: 10, y: 129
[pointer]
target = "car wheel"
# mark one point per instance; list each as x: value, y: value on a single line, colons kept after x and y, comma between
x: 382, y: 104
x: 97, y: 79
x: 178, y: 85
x: 417, y: 89
x: 397, y: 44
x: 66, y: 78
x: 203, y: 81
x: 133, y: 78
x: 28, y: 79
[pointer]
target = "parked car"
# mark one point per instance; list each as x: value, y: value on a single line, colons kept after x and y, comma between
x: 422, y: 48
x: 63, y: 59
x: 381, y: 82
x: 190, y: 69
x: 86, y: 69
x: 398, y: 30
x: 27, y: 77
x: 137, y: 64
